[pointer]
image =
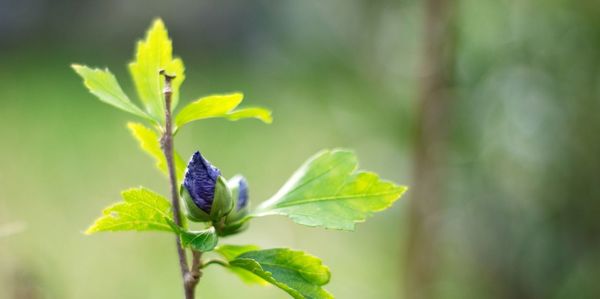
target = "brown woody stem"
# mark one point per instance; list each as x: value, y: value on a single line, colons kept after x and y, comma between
x: 190, y: 277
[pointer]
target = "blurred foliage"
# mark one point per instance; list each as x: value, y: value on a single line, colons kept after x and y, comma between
x: 521, y: 204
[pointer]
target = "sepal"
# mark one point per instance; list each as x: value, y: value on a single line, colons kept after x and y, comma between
x: 222, y: 202
x: 190, y: 209
x: 234, y: 223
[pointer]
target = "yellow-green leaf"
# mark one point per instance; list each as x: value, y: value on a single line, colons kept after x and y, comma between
x: 207, y: 107
x: 262, y: 114
x: 220, y: 106
x: 104, y: 85
x: 150, y: 143
x: 155, y: 54
x: 327, y: 191
x: 141, y: 210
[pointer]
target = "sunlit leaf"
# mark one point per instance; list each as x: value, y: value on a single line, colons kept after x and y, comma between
x: 141, y: 210
x: 220, y: 106
x: 251, y: 112
x: 149, y: 141
x: 208, y: 107
x: 104, y: 85
x: 299, y: 274
x: 327, y: 191
x: 154, y: 54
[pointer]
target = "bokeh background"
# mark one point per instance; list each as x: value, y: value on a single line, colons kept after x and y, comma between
x: 489, y: 110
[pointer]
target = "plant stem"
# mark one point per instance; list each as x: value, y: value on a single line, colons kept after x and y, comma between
x: 195, y: 272
x: 190, y: 278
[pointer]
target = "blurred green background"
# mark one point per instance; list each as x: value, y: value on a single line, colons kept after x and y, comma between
x: 515, y: 211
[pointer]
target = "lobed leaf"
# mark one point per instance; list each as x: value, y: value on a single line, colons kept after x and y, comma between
x: 327, y: 191
x: 154, y: 54
x: 104, y: 85
x: 150, y: 143
x: 299, y: 274
x: 141, y: 210
x: 220, y: 106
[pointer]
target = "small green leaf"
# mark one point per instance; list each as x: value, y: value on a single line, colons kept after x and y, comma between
x: 327, y: 191
x: 207, y: 107
x: 230, y: 252
x: 104, y: 85
x: 141, y: 210
x: 299, y: 274
x: 203, y: 241
x: 262, y: 114
x: 150, y: 143
x: 155, y: 54
x: 220, y: 106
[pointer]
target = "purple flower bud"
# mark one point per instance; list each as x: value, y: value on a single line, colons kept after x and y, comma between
x: 242, y: 200
x: 200, y: 181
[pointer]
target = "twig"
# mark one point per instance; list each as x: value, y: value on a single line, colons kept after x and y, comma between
x: 190, y: 279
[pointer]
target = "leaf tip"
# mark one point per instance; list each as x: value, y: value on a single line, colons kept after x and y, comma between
x: 401, y: 190
x: 157, y: 23
x: 90, y: 230
x: 268, y: 117
x: 157, y: 30
x: 78, y: 68
x: 133, y: 126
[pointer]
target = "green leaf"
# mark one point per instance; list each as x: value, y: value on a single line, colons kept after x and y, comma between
x: 299, y: 274
x: 155, y: 54
x: 230, y: 252
x: 208, y: 107
x: 141, y: 210
x: 327, y: 191
x: 220, y: 106
x: 104, y: 85
x: 203, y: 240
x: 262, y: 114
x: 150, y: 143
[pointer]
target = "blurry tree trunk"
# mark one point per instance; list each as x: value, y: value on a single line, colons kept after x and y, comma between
x: 430, y: 145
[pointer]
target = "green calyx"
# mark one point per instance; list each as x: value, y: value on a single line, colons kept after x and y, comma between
x: 221, y: 206
x: 223, y: 200
x: 234, y: 223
